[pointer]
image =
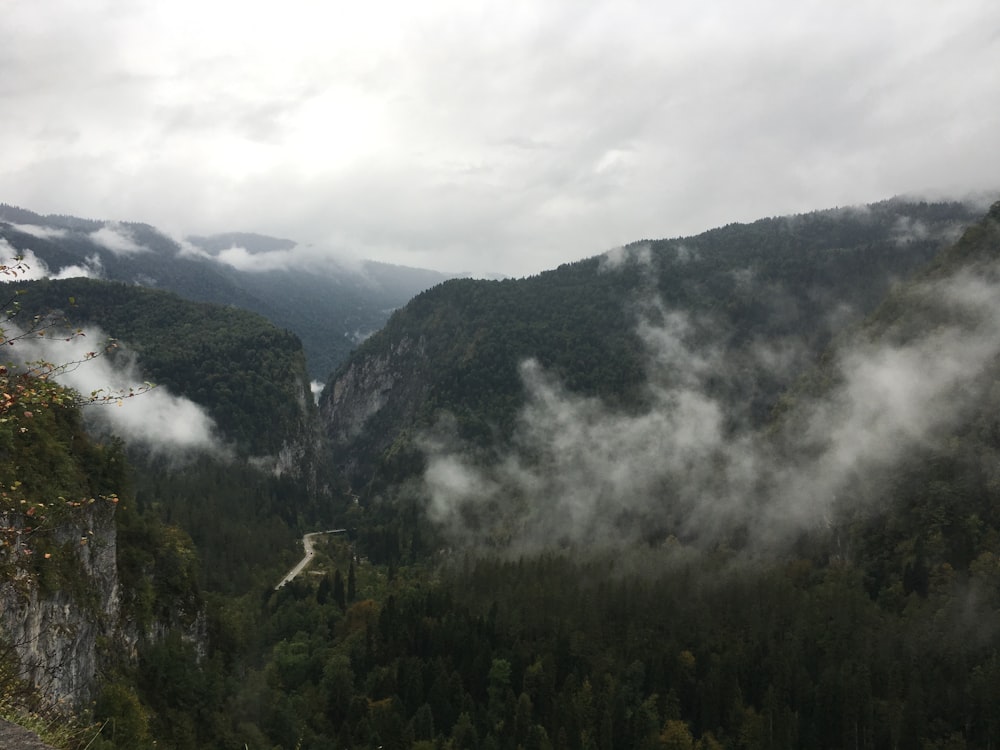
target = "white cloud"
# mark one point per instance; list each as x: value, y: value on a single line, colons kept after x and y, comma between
x: 31, y: 267
x: 37, y: 230
x: 117, y: 239
x: 243, y: 260
x: 489, y: 138
x: 616, y: 258
x: 27, y: 269
x: 161, y: 421
x: 583, y: 472
x: 190, y: 250
x: 91, y: 269
x: 300, y: 258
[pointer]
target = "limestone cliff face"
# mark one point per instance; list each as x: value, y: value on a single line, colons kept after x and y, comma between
x: 374, y: 392
x: 59, y: 625
x: 301, y: 446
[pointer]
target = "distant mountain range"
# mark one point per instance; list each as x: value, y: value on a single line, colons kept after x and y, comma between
x: 330, y: 304
x: 742, y: 486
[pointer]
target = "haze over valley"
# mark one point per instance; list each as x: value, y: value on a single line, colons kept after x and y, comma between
x: 523, y: 376
x: 799, y: 405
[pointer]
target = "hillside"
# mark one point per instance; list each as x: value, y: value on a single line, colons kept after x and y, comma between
x: 232, y: 407
x: 653, y: 575
x: 734, y: 491
x: 330, y: 305
x: 768, y: 295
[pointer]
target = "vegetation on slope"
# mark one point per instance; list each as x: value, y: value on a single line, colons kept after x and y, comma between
x: 782, y: 286
x: 872, y: 629
x: 330, y: 307
x: 243, y: 370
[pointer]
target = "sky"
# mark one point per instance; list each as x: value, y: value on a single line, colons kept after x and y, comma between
x: 491, y: 137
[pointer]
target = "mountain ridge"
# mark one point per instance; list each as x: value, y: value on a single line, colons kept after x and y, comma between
x: 331, y: 306
x: 757, y: 288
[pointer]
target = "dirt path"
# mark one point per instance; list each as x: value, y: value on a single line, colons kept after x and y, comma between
x: 13, y: 737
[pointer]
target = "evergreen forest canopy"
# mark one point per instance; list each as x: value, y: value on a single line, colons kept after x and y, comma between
x: 738, y: 490
x: 770, y: 295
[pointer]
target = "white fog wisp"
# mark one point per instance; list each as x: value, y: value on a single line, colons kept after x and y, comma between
x: 581, y: 472
x: 157, y: 419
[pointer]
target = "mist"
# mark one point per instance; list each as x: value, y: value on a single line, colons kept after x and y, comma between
x: 579, y: 472
x: 299, y: 258
x: 32, y: 268
x: 117, y: 239
x: 160, y: 421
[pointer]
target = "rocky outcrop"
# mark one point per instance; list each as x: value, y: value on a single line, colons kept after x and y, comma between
x: 56, y: 623
x: 372, y: 398
x: 367, y: 386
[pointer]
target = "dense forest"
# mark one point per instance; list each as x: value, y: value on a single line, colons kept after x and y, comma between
x: 771, y: 294
x: 821, y: 569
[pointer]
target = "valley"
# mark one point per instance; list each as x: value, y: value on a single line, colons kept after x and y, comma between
x: 310, y: 553
x: 733, y: 490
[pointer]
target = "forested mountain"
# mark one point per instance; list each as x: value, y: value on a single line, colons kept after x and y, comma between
x: 331, y: 306
x: 232, y: 406
x: 740, y: 490
x: 116, y: 553
x: 771, y: 294
x: 843, y: 596
x: 243, y: 370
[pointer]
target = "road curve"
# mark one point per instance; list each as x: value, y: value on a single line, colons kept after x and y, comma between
x: 307, y: 543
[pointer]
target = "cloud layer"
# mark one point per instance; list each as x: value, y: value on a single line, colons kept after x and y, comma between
x: 486, y: 136
x: 158, y: 420
x: 580, y: 472
x: 32, y: 268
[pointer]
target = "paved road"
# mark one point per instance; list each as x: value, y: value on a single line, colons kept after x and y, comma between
x: 307, y: 543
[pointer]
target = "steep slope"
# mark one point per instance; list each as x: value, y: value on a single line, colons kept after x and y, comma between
x: 916, y: 390
x: 242, y: 369
x: 227, y: 446
x: 330, y: 306
x: 59, y: 586
x: 769, y: 294
x: 836, y: 584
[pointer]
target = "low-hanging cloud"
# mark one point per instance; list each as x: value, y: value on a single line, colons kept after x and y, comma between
x: 117, y: 239
x: 40, y: 231
x: 30, y: 267
x: 157, y: 419
x: 616, y: 258
x: 582, y: 472
x: 296, y: 258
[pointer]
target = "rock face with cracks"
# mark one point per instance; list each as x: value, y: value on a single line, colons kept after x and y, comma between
x: 374, y: 388
x: 55, y: 635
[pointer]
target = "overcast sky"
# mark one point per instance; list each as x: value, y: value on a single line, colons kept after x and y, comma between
x: 490, y: 136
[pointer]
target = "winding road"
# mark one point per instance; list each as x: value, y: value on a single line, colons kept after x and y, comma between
x: 307, y: 542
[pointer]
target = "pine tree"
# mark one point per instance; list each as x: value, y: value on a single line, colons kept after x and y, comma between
x: 338, y: 589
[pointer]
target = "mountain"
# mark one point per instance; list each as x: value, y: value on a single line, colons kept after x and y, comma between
x: 232, y: 406
x: 125, y: 508
x: 771, y: 295
x: 86, y: 584
x: 330, y: 305
x: 820, y: 575
x: 739, y: 490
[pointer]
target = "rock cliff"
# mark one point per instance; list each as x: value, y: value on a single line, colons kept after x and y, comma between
x: 376, y: 393
x: 59, y: 609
